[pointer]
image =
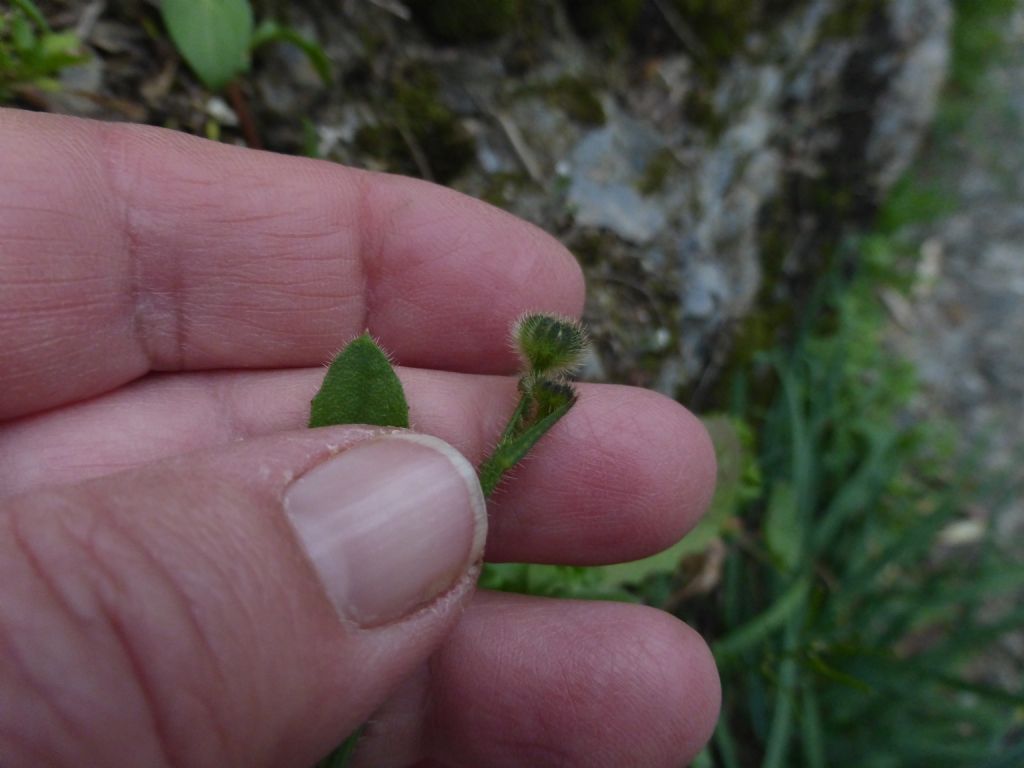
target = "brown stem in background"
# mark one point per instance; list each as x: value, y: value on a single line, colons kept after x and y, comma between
x: 32, y: 98
x: 246, y: 123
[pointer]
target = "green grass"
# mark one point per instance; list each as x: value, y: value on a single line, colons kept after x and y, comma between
x: 844, y: 629
x: 978, y: 39
x: 978, y: 35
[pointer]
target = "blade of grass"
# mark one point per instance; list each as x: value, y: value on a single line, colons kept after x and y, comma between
x: 856, y: 495
x: 1011, y: 758
x: 756, y: 630
x: 726, y: 745
x: 811, y: 733
x: 31, y: 10
x: 780, y: 733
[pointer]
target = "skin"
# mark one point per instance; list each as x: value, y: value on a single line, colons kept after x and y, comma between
x: 166, y: 306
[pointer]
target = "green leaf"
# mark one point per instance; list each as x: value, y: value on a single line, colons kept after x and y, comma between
x: 360, y: 388
x: 31, y: 10
x: 62, y: 46
x: 551, y: 396
x: 22, y: 35
x: 272, y: 32
x: 214, y: 36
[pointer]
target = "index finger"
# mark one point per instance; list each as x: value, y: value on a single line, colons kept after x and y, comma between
x: 125, y: 249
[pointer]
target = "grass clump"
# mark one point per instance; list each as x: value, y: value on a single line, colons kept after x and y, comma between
x: 845, y: 627
x: 852, y: 623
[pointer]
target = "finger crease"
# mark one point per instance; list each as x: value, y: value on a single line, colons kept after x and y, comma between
x: 154, y: 312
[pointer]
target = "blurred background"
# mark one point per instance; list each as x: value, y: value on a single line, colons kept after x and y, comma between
x: 804, y: 219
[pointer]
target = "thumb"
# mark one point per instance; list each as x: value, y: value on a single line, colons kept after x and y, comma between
x: 250, y: 607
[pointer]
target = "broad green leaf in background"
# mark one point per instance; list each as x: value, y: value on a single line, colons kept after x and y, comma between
x: 272, y: 32
x: 214, y: 36
x: 31, y: 10
x: 360, y: 388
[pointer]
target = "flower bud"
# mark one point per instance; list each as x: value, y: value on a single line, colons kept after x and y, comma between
x: 549, y: 345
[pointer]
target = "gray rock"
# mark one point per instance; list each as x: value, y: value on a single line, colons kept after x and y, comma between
x: 607, y: 167
x: 672, y: 199
x: 907, y: 106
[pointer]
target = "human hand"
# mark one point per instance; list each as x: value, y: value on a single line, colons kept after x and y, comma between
x: 184, y: 580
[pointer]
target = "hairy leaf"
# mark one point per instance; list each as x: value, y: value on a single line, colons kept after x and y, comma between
x: 360, y: 388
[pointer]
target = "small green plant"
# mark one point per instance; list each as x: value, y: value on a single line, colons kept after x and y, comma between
x: 550, y: 348
x: 32, y: 54
x: 361, y: 387
x: 217, y: 38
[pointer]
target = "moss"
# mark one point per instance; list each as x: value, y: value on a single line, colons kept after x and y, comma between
x: 850, y: 19
x: 417, y: 122
x: 721, y: 26
x: 604, y: 19
x: 578, y: 100
x: 656, y: 172
x: 502, y: 187
x: 978, y: 34
x: 699, y: 109
x: 592, y: 247
x: 465, y: 21
x: 379, y: 141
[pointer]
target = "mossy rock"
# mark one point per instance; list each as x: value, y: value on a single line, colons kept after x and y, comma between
x: 465, y: 21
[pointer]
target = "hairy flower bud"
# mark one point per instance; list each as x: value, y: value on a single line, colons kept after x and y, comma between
x: 550, y: 346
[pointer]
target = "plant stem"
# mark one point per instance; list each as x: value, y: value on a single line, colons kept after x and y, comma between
x: 246, y: 122
x: 492, y: 468
x: 519, y: 437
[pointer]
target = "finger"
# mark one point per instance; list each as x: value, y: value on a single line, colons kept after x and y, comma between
x: 215, y: 610
x: 529, y: 681
x: 125, y: 249
x: 626, y: 473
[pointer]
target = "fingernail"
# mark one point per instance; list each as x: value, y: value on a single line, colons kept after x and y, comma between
x: 389, y: 524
